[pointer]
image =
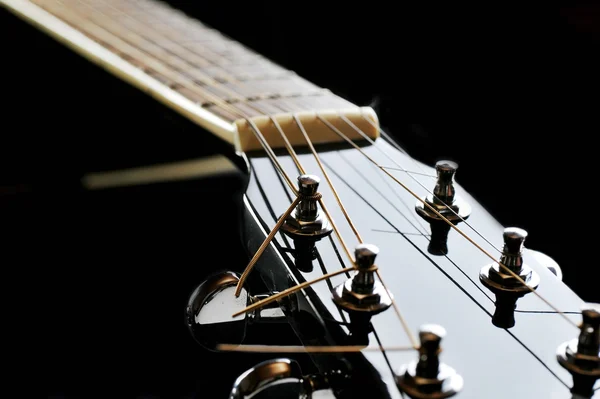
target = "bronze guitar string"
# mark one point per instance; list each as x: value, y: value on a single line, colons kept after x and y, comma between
x: 289, y: 147
x: 516, y: 276
x: 264, y: 141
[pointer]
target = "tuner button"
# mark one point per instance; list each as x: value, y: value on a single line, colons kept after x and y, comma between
x: 590, y: 313
x: 431, y: 335
x: 308, y: 184
x: 365, y: 255
x: 514, y: 238
x: 446, y: 170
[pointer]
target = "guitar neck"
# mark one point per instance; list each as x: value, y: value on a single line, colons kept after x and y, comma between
x: 216, y: 82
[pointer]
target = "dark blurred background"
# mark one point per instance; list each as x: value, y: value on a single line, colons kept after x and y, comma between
x: 511, y: 93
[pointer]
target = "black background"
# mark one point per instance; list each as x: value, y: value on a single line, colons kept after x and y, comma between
x: 511, y: 93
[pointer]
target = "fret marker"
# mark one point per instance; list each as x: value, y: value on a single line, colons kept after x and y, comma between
x: 306, y: 225
x: 445, y: 201
x: 581, y: 356
x: 506, y: 287
x: 362, y: 296
x: 427, y: 378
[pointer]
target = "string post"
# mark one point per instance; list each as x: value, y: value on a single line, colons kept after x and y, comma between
x: 306, y: 224
x: 362, y: 296
x: 581, y: 356
x: 427, y: 377
x: 446, y: 202
x: 506, y: 286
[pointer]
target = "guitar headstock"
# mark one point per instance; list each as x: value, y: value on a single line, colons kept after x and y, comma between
x: 434, y: 295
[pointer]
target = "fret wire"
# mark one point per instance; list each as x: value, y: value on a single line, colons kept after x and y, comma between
x: 254, y: 128
x: 504, y: 267
x: 215, y: 83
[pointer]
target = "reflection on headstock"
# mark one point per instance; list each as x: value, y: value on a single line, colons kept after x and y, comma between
x: 444, y: 201
x: 507, y: 288
x: 210, y: 306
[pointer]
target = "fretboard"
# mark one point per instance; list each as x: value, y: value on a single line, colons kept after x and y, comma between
x: 213, y: 80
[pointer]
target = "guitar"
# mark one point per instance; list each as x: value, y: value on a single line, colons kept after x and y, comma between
x: 413, y: 263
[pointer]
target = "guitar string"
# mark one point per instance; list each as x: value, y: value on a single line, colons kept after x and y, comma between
x: 449, y: 277
x: 218, y: 102
x: 446, y: 207
x: 509, y: 271
x: 269, y: 151
x: 274, y: 160
x: 273, y: 157
x: 366, y: 137
x: 288, y: 145
x: 215, y: 83
x: 309, y: 348
x: 465, y: 274
x: 358, y: 236
x: 278, y: 129
x: 344, y: 245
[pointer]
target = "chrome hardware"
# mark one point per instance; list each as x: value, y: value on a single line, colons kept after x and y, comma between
x: 444, y: 201
x: 362, y: 295
x: 581, y: 356
x: 306, y: 225
x: 504, y: 285
x: 427, y: 378
x: 210, y: 308
x: 277, y: 378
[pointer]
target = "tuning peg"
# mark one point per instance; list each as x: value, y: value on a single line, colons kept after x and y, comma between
x: 427, y: 377
x: 306, y: 225
x: 507, y: 288
x: 362, y: 296
x: 581, y: 356
x: 446, y: 203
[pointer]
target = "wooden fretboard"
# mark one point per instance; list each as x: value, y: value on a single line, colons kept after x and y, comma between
x: 209, y: 78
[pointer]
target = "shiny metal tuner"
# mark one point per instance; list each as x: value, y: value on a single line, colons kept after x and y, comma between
x: 447, y: 204
x: 362, y: 292
x: 306, y: 225
x: 507, y: 288
x: 427, y: 377
x: 208, y: 314
x: 276, y: 378
x: 581, y: 356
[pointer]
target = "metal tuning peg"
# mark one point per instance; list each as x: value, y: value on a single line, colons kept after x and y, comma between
x: 446, y: 203
x: 581, y: 356
x: 504, y: 285
x: 306, y: 225
x: 362, y: 296
x: 427, y: 377
x: 211, y: 305
x: 277, y: 378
